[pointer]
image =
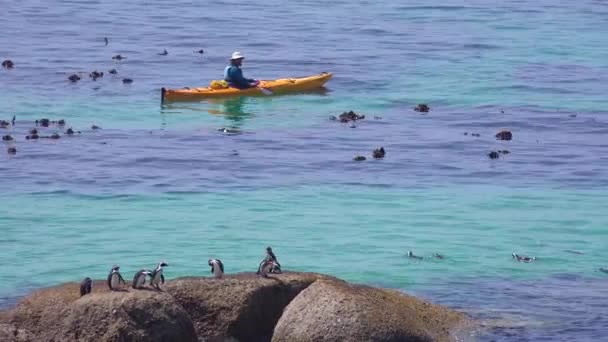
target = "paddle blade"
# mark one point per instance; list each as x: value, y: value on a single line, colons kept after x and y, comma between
x: 266, y: 91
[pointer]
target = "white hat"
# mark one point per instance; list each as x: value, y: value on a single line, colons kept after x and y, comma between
x: 237, y: 55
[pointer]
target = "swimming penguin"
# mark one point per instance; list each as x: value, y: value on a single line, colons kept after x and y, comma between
x: 412, y: 256
x: 157, y: 275
x: 201, y: 51
x: 113, y: 72
x: 139, y: 280
x: 114, y: 278
x: 164, y: 53
x: 127, y: 81
x: 119, y: 57
x: 438, y: 256
x: 217, y: 268
x: 523, y: 258
x: 86, y: 286
x: 267, y: 266
x: 605, y: 270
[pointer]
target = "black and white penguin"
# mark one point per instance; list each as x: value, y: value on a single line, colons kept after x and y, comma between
x: 217, y: 268
x: 86, y: 286
x: 270, y: 256
x: 157, y: 276
x: 114, y: 278
x: 605, y: 270
x: 139, y: 280
x: 268, y: 266
x: 412, y: 256
x: 523, y: 258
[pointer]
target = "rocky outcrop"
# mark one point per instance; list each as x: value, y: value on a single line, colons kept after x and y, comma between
x: 242, y: 307
x: 10, y: 333
x: 59, y: 314
x: 331, y: 310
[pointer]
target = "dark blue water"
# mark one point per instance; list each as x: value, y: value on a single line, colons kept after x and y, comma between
x: 166, y: 177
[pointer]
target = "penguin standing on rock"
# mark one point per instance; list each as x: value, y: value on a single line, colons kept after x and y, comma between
x: 139, y: 280
x: 268, y: 266
x: 114, y: 278
x: 86, y: 286
x: 271, y: 257
x: 217, y: 268
x: 157, y: 275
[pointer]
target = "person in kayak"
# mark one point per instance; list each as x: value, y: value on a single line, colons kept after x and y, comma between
x: 234, y: 75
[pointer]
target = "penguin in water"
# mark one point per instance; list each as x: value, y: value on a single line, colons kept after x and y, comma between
x: 412, y: 256
x: 217, y: 268
x: 114, y: 278
x: 157, y: 276
x: 271, y: 257
x: 86, y: 286
x: 268, y: 266
x: 523, y: 258
x: 139, y: 280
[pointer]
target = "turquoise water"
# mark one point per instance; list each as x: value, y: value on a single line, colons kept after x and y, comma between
x: 162, y: 182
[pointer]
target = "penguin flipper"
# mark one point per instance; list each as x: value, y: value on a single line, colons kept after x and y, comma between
x: 110, y: 281
x: 221, y: 266
x: 162, y: 279
x: 121, y: 278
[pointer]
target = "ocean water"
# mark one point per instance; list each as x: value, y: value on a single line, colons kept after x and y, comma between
x: 161, y: 182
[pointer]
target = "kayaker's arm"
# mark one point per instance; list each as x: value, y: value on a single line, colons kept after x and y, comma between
x: 235, y: 77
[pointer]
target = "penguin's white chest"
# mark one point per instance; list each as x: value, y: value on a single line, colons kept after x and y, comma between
x: 217, y: 271
x: 156, y: 279
x: 115, y: 281
x: 140, y: 280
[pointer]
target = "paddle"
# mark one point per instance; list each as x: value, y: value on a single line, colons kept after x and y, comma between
x: 265, y: 91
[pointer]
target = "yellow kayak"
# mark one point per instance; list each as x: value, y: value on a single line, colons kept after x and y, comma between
x: 280, y: 86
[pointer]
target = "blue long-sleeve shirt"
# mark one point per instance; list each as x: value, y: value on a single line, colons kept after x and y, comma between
x: 234, y: 76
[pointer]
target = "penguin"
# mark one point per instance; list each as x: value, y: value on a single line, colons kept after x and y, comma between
x: 119, y: 57
x: 217, y: 268
x: 139, y: 280
x: 105, y: 39
x: 114, y: 278
x: 113, y: 72
x: 438, y: 256
x: 412, y: 256
x: 270, y: 256
x: 201, y: 51
x: 127, y: 81
x: 267, y: 266
x: 605, y: 270
x: 164, y: 53
x: 85, y: 286
x: 523, y: 258
x: 157, y: 275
